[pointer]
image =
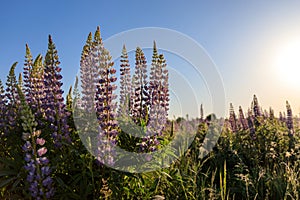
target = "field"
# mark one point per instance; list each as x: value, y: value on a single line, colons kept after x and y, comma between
x: 53, y: 147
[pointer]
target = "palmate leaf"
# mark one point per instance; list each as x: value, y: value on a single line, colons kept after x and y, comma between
x: 7, y: 173
x: 7, y: 162
x: 10, y: 178
x: 6, y: 182
x: 11, y: 174
x: 67, y: 195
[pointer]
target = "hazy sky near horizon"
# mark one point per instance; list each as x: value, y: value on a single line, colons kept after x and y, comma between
x: 243, y: 38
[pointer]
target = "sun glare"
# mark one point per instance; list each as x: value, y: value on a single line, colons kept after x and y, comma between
x: 287, y: 62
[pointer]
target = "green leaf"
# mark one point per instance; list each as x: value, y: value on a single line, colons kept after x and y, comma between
x: 8, y: 162
x: 16, y: 183
x: 6, y: 182
x: 7, y: 173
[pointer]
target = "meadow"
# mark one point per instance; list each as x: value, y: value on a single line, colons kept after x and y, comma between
x: 43, y: 142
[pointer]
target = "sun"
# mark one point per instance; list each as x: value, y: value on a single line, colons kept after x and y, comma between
x: 287, y: 62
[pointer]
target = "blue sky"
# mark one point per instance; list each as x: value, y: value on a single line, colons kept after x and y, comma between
x: 242, y: 37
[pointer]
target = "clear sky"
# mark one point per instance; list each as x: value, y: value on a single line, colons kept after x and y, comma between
x: 244, y: 38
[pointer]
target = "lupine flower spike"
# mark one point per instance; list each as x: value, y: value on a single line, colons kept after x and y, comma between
x: 105, y: 101
x: 53, y: 102
x: 140, y: 97
x: 125, y: 85
x: 242, y: 119
x: 37, y: 164
x: 232, y: 119
x: 3, y: 102
x: 289, y: 119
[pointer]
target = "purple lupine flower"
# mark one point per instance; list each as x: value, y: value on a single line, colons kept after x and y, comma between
x: 76, y: 104
x: 42, y: 160
x: 255, y: 106
x: 33, y: 188
x: 232, y: 119
x: 3, y: 102
x: 156, y: 118
x: 30, y: 177
x: 281, y: 118
x: 165, y: 96
x: 201, y: 113
x: 28, y: 157
x: 38, y: 175
x: 30, y: 166
x: 140, y: 96
x: 125, y: 84
x: 149, y: 143
x: 104, y: 99
x: 12, y: 98
x: 256, y: 110
x: 156, y: 100
x: 50, y: 193
x: 27, y: 146
x: 35, y: 94
x: 251, y: 127
x: 266, y: 114
x: 27, y: 74
x: 45, y: 170
x: 47, y: 181
x: 155, y: 78
x: 242, y: 119
x: 159, y: 88
x: 105, y: 151
x: 289, y: 120
x: 159, y: 102
x: 89, y: 72
x: 53, y: 102
x: 284, y: 117
x: 271, y: 114
x: 38, y: 180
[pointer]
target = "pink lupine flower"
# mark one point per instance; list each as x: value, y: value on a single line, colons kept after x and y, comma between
x: 42, y: 151
x: 40, y: 141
